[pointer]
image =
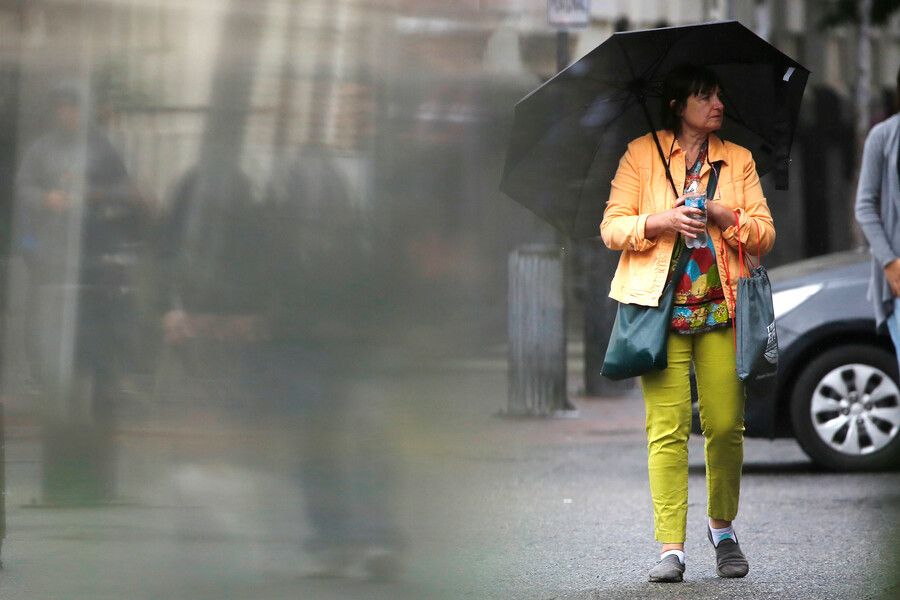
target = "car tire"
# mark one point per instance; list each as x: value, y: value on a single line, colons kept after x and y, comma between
x: 845, y: 409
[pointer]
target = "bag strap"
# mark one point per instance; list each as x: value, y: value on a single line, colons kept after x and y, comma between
x: 758, y: 242
x: 662, y: 155
x: 737, y: 226
x: 683, y: 259
x: 737, y: 229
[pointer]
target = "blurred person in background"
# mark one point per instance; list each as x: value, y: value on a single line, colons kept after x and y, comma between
x: 264, y: 300
x: 878, y: 214
x: 80, y: 225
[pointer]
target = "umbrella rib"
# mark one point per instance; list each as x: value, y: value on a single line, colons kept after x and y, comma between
x: 652, y: 68
x: 626, y: 105
x: 650, y: 71
x: 639, y: 96
x: 615, y: 84
x: 626, y: 57
x: 743, y: 123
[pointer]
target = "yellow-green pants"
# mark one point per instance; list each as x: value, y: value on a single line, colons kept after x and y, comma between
x: 667, y: 397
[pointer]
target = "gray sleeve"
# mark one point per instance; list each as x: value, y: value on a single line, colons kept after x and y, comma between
x: 868, y: 196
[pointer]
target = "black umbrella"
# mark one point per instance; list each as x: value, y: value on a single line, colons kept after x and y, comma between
x: 569, y: 134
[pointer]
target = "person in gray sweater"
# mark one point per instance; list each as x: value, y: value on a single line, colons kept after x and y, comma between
x: 878, y: 213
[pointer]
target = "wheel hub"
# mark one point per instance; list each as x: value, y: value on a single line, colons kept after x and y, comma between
x: 855, y: 409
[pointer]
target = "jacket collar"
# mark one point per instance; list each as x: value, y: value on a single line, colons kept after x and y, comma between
x: 716, y: 151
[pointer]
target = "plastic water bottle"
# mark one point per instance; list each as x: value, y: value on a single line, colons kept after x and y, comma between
x: 697, y: 200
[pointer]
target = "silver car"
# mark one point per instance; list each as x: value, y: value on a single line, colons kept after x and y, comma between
x: 837, y: 386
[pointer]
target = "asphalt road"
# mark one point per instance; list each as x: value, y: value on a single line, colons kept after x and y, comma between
x: 561, y: 510
x: 491, y: 507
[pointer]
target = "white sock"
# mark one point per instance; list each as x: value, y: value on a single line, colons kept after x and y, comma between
x: 720, y: 534
x: 678, y: 553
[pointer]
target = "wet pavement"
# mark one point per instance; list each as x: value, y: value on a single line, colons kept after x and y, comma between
x: 489, y: 506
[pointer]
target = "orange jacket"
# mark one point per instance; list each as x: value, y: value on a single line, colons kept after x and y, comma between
x: 640, y: 188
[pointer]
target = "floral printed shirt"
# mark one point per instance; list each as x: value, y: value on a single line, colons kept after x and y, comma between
x: 699, y: 297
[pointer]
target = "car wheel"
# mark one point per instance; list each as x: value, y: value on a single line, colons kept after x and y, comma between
x: 845, y: 409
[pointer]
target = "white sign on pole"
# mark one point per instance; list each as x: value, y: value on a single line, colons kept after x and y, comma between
x: 569, y: 13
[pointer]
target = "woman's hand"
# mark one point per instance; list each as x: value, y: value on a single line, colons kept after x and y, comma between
x: 892, y: 274
x: 678, y: 219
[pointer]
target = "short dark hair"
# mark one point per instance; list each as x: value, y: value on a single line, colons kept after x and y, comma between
x: 681, y: 83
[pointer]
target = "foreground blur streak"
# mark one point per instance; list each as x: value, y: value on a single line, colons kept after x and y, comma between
x: 212, y: 292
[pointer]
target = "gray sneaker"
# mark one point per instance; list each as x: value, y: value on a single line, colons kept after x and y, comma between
x: 730, y: 561
x: 667, y: 570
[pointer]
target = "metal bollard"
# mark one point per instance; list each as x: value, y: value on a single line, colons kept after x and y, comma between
x: 537, y: 339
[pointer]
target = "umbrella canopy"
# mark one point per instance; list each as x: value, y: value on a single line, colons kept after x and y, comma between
x: 569, y: 134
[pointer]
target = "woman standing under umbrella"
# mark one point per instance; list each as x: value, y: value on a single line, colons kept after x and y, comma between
x: 649, y: 224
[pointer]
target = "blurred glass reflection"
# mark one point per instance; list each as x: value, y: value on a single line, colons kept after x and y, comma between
x: 233, y: 233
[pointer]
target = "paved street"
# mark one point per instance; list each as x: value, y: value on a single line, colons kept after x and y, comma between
x: 491, y: 507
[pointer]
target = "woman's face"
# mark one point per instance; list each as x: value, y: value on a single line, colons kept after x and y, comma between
x: 703, y: 112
